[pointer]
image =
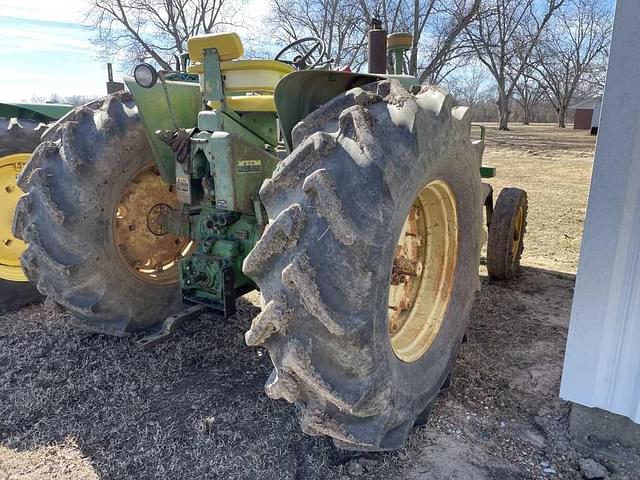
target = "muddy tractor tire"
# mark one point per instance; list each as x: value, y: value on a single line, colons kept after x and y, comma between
x: 89, y: 216
x: 18, y: 138
x: 369, y: 266
x: 506, y: 234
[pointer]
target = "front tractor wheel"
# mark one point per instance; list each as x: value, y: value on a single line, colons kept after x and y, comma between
x: 506, y: 234
x: 369, y: 266
x: 91, y: 217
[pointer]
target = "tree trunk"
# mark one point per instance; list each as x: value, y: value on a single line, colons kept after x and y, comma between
x: 526, y: 113
x: 503, y: 112
x: 562, y: 116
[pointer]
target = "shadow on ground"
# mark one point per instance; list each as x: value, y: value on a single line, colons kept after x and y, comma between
x: 88, y: 406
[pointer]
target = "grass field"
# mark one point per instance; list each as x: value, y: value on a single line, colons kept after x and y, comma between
x: 554, y: 166
x: 74, y: 405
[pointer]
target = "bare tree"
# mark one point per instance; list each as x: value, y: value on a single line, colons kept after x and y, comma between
x: 436, y: 26
x: 594, y: 77
x: 74, y: 100
x: 574, y: 48
x: 337, y: 22
x: 444, y: 48
x: 153, y: 29
x: 528, y: 95
x: 528, y: 90
x: 503, y: 39
x: 469, y: 86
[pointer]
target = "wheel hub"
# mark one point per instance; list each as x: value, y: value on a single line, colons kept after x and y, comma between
x: 148, y: 250
x: 10, y: 247
x: 157, y: 218
x: 423, y: 272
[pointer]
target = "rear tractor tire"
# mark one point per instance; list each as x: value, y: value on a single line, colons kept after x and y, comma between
x: 18, y: 138
x: 506, y: 234
x: 89, y: 217
x: 369, y: 266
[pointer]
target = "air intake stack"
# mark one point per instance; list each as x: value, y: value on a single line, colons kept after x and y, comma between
x: 397, y: 45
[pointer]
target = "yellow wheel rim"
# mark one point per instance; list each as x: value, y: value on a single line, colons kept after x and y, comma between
x: 10, y: 247
x: 423, y: 272
x: 518, y: 230
x: 149, y: 252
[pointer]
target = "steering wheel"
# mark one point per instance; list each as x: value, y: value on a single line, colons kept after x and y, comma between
x: 306, y: 56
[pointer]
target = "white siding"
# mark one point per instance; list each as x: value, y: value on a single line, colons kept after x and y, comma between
x: 602, y: 363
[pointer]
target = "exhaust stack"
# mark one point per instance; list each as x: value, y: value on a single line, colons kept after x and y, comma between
x: 377, y: 47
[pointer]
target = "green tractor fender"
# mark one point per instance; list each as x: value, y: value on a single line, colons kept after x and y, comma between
x: 313, y: 88
x: 160, y: 109
x: 38, y: 112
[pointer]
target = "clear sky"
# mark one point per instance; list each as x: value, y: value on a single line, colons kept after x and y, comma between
x: 45, y: 49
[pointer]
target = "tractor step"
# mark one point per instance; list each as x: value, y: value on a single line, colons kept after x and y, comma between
x: 169, y: 325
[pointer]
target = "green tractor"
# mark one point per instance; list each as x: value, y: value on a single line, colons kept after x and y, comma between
x: 352, y: 201
x: 21, y: 125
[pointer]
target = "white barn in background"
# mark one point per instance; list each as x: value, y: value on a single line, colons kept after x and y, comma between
x: 602, y: 362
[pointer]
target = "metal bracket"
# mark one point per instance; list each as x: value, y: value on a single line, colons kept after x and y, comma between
x: 487, y: 191
x: 169, y: 325
x: 228, y: 293
x: 212, y: 85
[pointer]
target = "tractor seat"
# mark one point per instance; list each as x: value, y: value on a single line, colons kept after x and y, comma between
x: 248, y: 75
x: 239, y: 76
x: 257, y: 78
x: 229, y: 47
x: 253, y: 75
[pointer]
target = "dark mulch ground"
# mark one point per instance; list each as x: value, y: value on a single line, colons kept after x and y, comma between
x: 75, y: 405
x: 80, y: 405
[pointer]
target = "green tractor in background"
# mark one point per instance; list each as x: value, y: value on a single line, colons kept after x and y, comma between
x: 353, y: 201
x: 21, y: 125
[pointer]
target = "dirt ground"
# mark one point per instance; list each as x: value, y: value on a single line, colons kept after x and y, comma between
x: 75, y: 405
